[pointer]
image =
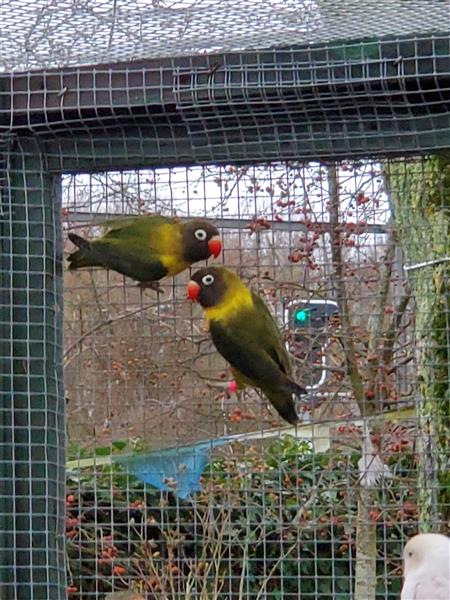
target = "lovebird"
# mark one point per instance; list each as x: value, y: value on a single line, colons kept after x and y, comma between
x: 247, y: 336
x: 426, y: 561
x: 147, y: 248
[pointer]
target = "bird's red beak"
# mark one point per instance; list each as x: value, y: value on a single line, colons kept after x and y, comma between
x: 215, y: 246
x: 193, y: 290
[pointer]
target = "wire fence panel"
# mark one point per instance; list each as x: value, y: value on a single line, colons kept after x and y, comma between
x: 272, y: 512
x: 313, y: 137
x: 67, y: 32
x: 33, y: 456
x: 387, y: 97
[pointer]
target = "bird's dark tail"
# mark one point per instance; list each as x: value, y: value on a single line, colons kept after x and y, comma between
x: 82, y: 257
x: 298, y: 390
x: 284, y: 399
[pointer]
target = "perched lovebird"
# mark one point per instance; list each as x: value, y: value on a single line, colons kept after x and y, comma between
x: 147, y: 248
x: 246, y: 335
x: 426, y: 560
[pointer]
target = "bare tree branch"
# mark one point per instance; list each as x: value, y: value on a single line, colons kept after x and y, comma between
x: 102, y: 324
x: 338, y: 280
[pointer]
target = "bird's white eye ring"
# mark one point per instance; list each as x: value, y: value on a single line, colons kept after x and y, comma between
x: 207, y: 280
x: 200, y: 234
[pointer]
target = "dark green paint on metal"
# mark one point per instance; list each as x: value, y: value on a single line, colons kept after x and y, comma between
x: 32, y: 403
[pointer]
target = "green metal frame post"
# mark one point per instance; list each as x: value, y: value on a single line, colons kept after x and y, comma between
x: 32, y: 438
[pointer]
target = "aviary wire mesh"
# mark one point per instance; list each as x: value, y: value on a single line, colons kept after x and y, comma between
x: 323, y: 163
x: 49, y: 33
x: 140, y: 374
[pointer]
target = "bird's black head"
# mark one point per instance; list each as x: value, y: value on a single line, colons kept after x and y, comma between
x: 208, y: 286
x: 200, y: 240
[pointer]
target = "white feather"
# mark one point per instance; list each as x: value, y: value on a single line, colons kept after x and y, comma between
x: 426, y: 560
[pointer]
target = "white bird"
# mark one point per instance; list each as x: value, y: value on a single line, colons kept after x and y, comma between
x: 426, y: 565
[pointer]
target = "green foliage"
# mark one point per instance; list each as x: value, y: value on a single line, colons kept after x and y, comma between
x: 420, y: 191
x: 272, y: 522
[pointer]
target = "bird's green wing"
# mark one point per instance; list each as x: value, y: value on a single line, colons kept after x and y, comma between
x: 269, y: 335
x: 127, y: 256
x: 252, y: 343
x: 134, y: 227
x: 134, y: 246
x: 244, y: 355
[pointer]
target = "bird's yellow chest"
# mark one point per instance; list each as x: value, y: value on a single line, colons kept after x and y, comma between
x: 235, y: 302
x: 169, y: 245
x: 174, y: 264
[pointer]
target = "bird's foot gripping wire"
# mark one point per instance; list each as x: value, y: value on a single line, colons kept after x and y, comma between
x: 151, y: 285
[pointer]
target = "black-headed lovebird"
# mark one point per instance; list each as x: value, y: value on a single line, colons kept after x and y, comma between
x: 246, y: 335
x: 147, y: 248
